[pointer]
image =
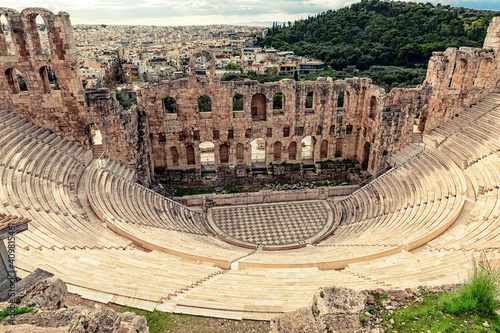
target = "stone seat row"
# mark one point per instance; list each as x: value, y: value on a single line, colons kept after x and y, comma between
x: 409, y: 227
x: 196, y: 247
x: 57, y: 219
x: 405, y: 154
x: 423, y: 268
x: 127, y: 277
x: 443, y: 132
x: 124, y: 200
x: 484, y: 175
x: 480, y: 232
x: 19, y: 128
x: 259, y: 294
x: 420, y: 180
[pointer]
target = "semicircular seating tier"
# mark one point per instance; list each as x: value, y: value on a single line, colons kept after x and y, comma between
x: 419, y: 224
x: 39, y: 174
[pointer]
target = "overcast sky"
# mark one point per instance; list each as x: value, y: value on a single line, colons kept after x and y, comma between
x: 197, y: 12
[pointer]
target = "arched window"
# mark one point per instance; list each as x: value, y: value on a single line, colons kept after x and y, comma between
x: 366, y: 156
x: 373, y: 107
x: 278, y: 101
x: 323, y: 149
x: 175, y: 156
x: 310, y: 100
x: 15, y: 80
x: 204, y: 103
x: 332, y: 129
x: 38, y: 33
x: 224, y: 153
x: 6, y: 38
x: 190, y: 155
x: 319, y: 130
x: 49, y: 79
x: 258, y: 107
x: 258, y: 151
x: 240, y: 152
x: 238, y: 102
x: 338, y: 147
x: 292, y: 151
x: 277, y: 151
x: 169, y: 104
x: 340, y: 100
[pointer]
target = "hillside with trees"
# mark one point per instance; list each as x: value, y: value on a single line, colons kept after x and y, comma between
x: 374, y: 32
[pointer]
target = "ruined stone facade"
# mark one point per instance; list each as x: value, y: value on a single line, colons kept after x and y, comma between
x: 172, y: 119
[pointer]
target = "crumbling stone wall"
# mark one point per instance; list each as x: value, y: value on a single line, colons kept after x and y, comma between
x: 172, y: 134
x: 369, y: 126
x: 59, y: 110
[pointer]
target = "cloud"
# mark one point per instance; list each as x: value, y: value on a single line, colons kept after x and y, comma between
x: 195, y: 12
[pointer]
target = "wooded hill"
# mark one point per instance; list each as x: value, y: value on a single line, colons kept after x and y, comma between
x: 374, y: 32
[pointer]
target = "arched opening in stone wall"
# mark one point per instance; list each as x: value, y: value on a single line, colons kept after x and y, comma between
x: 323, y: 149
x: 15, y: 80
x: 6, y: 39
x: 95, y: 139
x: 319, y: 130
x: 366, y: 156
x: 258, y: 147
x: 190, y: 157
x: 10, y: 76
x: 458, y: 74
x: 38, y: 33
x: 340, y: 99
x: 240, y: 152
x: 258, y: 107
x: 338, y: 147
x: 310, y: 100
x: 174, y: 155
x: 307, y: 144
x: 207, y: 156
x: 224, y: 153
x: 238, y: 102
x: 202, y: 65
x: 21, y: 81
x: 277, y: 151
x: 49, y: 79
x: 332, y: 129
x: 169, y: 104
x: 278, y: 101
x: 204, y: 103
x: 373, y: 107
x: 292, y: 151
x: 373, y: 159
x: 347, y: 100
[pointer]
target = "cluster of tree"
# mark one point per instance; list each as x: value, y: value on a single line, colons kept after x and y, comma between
x: 386, y: 77
x: 374, y: 32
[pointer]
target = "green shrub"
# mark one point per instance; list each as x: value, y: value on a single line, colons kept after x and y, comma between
x: 478, y: 295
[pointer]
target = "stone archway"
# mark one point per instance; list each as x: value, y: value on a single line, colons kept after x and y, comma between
x: 366, y: 156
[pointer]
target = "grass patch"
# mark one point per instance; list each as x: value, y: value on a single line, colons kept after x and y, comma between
x: 160, y: 322
x: 17, y: 310
x: 466, y: 310
x: 479, y: 295
x: 181, y: 191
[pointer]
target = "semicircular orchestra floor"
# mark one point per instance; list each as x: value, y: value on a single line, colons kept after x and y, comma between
x: 276, y: 224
